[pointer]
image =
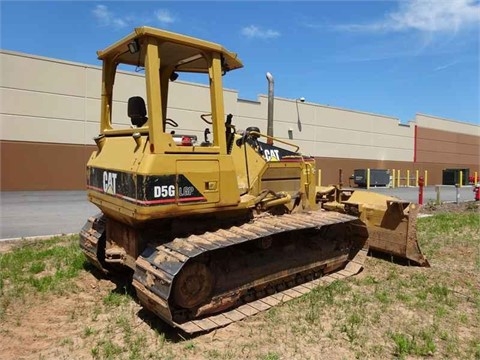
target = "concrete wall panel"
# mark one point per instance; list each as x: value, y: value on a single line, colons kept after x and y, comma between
x: 23, y: 128
x: 19, y: 71
x: 42, y: 105
x: 433, y: 122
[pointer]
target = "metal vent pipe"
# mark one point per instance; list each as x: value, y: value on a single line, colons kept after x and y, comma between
x: 270, y: 108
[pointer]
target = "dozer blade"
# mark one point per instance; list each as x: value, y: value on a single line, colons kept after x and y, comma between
x: 391, y: 222
x: 397, y: 234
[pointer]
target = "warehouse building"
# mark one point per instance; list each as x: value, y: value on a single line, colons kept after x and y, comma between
x: 50, y: 115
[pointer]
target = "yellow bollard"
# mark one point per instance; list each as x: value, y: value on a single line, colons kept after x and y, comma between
x: 368, y: 178
x: 393, y: 178
x: 319, y: 180
x: 475, y: 178
x: 426, y: 177
x: 398, y: 178
x: 461, y: 179
x: 416, y: 177
x: 408, y: 178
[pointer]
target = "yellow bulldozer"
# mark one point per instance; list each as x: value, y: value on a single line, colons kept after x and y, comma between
x: 212, y: 232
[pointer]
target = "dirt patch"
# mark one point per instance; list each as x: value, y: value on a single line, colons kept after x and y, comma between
x: 467, y: 206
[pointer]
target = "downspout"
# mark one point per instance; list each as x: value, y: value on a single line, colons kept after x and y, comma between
x: 270, y: 109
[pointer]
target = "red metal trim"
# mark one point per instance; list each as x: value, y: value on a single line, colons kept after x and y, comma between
x: 150, y: 202
x: 294, y: 160
x: 415, y: 145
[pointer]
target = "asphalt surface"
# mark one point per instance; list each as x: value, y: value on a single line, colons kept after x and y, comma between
x: 447, y: 193
x: 39, y: 213
x: 36, y: 213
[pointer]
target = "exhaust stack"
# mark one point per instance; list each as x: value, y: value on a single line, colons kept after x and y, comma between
x: 270, y: 109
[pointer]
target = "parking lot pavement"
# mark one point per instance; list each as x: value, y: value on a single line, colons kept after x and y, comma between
x: 447, y: 193
x: 37, y: 213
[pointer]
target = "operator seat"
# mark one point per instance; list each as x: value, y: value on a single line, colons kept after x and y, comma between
x: 229, y: 133
x: 137, y: 111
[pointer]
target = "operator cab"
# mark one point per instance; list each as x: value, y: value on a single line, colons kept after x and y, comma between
x: 164, y: 56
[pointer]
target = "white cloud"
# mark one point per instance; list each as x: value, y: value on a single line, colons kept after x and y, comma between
x: 446, y: 66
x: 107, y: 18
x: 164, y: 17
x: 253, y: 31
x: 425, y: 16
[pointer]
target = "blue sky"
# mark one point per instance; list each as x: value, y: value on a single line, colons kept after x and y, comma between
x: 386, y: 57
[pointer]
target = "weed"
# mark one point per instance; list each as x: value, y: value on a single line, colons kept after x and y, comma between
x: 463, y: 318
x: 114, y: 299
x: 427, y: 345
x: 383, y: 296
x: 160, y: 338
x: 136, y: 347
x: 271, y: 356
x: 359, y: 300
x: 66, y: 341
x: 213, y: 354
x: 418, y: 280
x: 87, y: 331
x: 96, y: 311
x: 123, y: 322
x: 440, y: 311
x: 36, y: 267
x: 189, y: 345
x: 404, y: 297
x: 272, y: 314
x: 350, y: 327
x: 475, y: 345
x: 95, y: 351
x: 110, y: 350
x: 440, y: 292
x: 419, y: 343
x: 392, y: 274
x: 422, y: 295
x: 403, y: 344
x: 322, y: 296
x: 369, y: 280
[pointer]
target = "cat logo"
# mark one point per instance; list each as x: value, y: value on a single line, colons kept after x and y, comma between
x: 109, y: 182
x: 271, y: 155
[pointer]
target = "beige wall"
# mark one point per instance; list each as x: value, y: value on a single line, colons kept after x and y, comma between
x: 46, y: 100
x: 50, y: 107
x: 434, y: 122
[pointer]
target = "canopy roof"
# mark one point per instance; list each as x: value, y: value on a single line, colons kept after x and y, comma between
x: 183, y: 52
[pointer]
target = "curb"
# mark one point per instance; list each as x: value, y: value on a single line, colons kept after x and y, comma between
x: 39, y: 237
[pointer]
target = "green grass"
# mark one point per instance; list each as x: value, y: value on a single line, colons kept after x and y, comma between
x: 114, y: 299
x: 40, y: 267
x: 270, y: 356
x: 419, y: 343
x: 446, y: 228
